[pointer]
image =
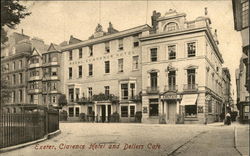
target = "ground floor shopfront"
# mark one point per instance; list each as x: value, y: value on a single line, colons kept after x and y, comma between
x: 172, y: 108
x: 244, y: 113
x: 103, y: 111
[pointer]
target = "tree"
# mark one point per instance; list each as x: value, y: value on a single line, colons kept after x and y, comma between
x: 11, y: 14
x: 5, y: 92
x: 62, y: 101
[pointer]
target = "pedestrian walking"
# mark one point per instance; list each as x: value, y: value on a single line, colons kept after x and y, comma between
x: 228, y: 119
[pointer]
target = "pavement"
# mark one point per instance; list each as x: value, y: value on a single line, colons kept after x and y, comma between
x: 140, y: 139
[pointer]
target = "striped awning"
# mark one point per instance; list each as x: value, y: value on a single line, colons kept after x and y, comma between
x: 189, y: 99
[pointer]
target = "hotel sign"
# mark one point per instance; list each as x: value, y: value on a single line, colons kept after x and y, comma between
x: 170, y: 96
x: 110, y: 56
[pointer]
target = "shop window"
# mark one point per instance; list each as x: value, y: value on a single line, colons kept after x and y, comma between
x: 71, y: 111
x: 153, y: 107
x: 153, y: 54
x: 124, y: 111
x: 77, y: 111
x: 132, y: 111
x: 191, y: 49
x: 190, y: 111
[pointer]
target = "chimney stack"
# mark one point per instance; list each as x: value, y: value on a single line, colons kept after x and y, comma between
x: 206, y: 12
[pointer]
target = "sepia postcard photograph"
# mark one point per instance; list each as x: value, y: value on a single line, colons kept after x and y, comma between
x: 124, y: 78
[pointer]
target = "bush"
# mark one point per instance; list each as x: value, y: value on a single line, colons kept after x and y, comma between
x: 63, y: 115
x: 138, y: 116
x: 82, y: 116
x: 115, y: 117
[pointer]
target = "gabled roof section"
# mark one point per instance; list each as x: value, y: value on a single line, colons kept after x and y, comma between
x: 74, y: 40
x: 53, y: 48
x: 36, y: 52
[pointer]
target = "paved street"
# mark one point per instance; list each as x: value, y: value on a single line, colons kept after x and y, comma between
x: 135, y: 139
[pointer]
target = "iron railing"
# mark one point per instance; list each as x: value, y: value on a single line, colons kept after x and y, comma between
x: 152, y: 90
x: 173, y: 88
x: 18, y: 128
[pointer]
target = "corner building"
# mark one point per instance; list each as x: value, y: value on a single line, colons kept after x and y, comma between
x: 181, y: 71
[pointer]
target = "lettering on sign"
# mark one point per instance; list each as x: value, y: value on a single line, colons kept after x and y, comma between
x: 102, y: 58
x: 170, y: 96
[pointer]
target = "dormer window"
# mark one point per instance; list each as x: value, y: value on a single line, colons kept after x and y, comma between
x: 171, y: 26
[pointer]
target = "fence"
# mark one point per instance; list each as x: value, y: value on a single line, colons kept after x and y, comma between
x: 24, y: 127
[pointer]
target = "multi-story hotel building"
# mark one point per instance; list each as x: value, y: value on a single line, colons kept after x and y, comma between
x: 175, y: 66
x: 181, y: 70
x: 109, y: 64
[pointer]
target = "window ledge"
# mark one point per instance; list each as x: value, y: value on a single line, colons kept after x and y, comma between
x: 106, y: 74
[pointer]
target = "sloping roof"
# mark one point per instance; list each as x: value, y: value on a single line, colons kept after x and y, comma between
x: 53, y: 47
x: 104, y: 38
x: 74, y: 40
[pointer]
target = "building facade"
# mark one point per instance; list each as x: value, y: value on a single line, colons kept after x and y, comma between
x: 14, y: 65
x: 181, y: 71
x: 241, y: 23
x: 226, y: 85
x: 242, y: 93
x: 107, y: 65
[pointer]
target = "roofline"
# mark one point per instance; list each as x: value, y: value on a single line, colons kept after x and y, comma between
x: 105, y: 38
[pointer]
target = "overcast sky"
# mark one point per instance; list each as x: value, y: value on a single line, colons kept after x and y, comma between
x: 55, y: 21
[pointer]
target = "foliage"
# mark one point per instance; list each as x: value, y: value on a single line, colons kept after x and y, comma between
x: 5, y: 92
x: 11, y: 14
x: 62, y: 101
x: 115, y: 117
x: 104, y: 97
x: 82, y: 116
x: 63, y: 115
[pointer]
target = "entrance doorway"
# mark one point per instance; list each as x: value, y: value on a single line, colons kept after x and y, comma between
x: 171, y: 112
x: 103, y: 113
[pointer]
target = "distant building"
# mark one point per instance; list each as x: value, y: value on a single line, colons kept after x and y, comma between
x: 241, y: 23
x: 226, y: 85
x: 242, y: 93
x: 14, y: 64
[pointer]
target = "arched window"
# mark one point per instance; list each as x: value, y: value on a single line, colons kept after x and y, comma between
x: 171, y: 26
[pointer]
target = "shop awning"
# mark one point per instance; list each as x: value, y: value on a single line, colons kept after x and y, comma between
x: 189, y: 99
